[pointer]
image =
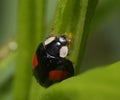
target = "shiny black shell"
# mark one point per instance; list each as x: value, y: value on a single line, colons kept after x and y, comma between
x: 49, y: 69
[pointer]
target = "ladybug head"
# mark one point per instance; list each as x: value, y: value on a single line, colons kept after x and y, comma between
x: 63, y: 40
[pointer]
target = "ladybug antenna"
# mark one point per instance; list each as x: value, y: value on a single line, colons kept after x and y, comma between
x: 68, y: 36
x: 52, y: 31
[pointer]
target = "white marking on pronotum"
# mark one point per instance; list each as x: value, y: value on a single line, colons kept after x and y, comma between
x: 49, y: 40
x: 63, y: 51
x: 61, y: 39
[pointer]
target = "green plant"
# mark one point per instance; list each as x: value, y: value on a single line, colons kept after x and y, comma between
x: 30, y: 31
x: 72, y: 16
x: 75, y: 16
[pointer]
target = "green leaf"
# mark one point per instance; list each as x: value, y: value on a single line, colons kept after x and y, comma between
x: 86, y: 14
x: 98, y: 84
x: 36, y: 90
x: 75, y: 16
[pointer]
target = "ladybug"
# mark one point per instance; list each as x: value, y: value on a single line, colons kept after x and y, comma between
x: 49, y: 63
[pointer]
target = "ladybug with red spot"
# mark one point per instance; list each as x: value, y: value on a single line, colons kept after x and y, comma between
x: 50, y: 64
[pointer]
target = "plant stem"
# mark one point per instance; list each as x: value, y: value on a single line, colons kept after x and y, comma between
x: 75, y: 16
x: 30, y: 33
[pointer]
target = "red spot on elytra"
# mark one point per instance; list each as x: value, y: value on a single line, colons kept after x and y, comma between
x: 35, y: 61
x: 57, y: 75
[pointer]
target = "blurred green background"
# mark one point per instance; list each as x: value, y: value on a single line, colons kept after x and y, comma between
x: 103, y: 45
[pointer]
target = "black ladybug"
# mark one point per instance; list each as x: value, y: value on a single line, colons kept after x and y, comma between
x: 50, y: 64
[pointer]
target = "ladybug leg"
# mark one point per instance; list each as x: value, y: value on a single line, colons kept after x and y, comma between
x: 51, y: 33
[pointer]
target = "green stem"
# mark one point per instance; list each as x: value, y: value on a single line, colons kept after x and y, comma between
x: 90, y: 10
x: 23, y: 71
x: 39, y: 20
x: 79, y: 33
x: 39, y: 30
x: 30, y: 33
x: 63, y: 16
x: 75, y: 16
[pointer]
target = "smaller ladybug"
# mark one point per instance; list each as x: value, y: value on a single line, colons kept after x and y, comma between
x: 49, y: 63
